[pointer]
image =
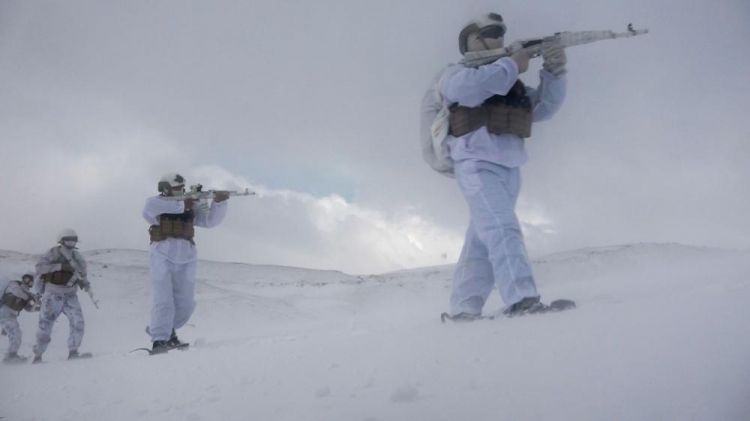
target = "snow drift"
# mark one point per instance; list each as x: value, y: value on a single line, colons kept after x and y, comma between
x: 660, y: 333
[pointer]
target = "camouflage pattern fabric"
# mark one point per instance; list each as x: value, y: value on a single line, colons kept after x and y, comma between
x: 54, y: 303
x: 9, y: 322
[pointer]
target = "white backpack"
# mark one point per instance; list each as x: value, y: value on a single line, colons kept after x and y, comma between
x: 434, y: 128
x: 4, y: 282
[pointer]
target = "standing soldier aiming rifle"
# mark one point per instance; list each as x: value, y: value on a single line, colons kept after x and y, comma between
x: 172, y: 216
x: 475, y: 119
x: 491, y: 113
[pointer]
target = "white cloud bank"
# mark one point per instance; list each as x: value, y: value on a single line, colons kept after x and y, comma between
x: 93, y: 192
x: 98, y: 99
x: 294, y: 228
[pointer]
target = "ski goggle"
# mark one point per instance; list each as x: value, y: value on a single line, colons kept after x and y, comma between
x: 491, y: 26
x: 73, y: 239
x: 493, y: 31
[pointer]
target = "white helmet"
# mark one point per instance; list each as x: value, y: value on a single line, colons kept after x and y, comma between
x: 67, y: 235
x: 488, y: 26
x: 169, y: 181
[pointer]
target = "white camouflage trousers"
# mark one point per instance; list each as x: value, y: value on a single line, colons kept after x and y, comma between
x: 494, y: 254
x: 54, y: 303
x: 9, y: 323
x: 173, y: 295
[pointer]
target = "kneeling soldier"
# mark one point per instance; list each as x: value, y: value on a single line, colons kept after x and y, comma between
x: 16, y: 296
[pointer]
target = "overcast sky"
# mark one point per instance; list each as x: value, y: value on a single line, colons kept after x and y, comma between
x: 315, y: 105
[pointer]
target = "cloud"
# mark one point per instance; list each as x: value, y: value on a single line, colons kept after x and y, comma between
x: 101, y: 193
x: 322, y: 120
x: 289, y: 227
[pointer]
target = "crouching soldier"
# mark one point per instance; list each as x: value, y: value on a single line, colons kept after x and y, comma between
x: 60, y: 270
x: 16, y: 296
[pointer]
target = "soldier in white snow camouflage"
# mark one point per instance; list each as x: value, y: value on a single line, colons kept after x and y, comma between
x: 174, y: 256
x: 491, y: 113
x: 60, y: 272
x: 16, y: 296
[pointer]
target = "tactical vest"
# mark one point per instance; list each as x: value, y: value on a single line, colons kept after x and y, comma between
x: 59, y: 277
x: 14, y: 302
x: 502, y: 114
x: 173, y: 226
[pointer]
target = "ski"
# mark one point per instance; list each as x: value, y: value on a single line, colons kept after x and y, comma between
x: 182, y: 347
x: 560, y: 305
x: 15, y: 360
x: 462, y: 318
x: 81, y: 356
x: 553, y: 307
x: 172, y: 343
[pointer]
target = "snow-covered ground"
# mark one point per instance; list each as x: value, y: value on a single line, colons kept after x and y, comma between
x: 660, y: 333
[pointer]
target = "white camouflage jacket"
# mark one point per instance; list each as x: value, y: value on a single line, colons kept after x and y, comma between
x: 177, y: 250
x: 53, y: 260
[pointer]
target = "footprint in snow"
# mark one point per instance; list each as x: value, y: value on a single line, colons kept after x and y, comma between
x: 405, y: 394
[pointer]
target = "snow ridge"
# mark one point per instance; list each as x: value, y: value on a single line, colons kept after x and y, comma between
x: 659, y: 333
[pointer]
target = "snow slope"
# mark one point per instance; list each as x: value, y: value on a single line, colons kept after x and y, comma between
x: 661, y: 333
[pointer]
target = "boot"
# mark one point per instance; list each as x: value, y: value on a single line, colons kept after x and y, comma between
x: 37, y: 359
x: 159, y: 347
x: 174, y: 341
x: 528, y: 305
x: 74, y: 354
x: 14, y: 358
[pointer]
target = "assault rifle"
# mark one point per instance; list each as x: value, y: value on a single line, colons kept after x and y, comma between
x: 196, y: 192
x: 535, y: 46
x: 68, y: 255
x: 93, y: 300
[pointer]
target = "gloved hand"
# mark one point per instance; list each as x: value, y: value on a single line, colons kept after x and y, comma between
x: 33, y: 304
x: 84, y: 284
x: 521, y: 57
x: 554, y: 60
x: 220, y: 196
x: 202, y: 206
